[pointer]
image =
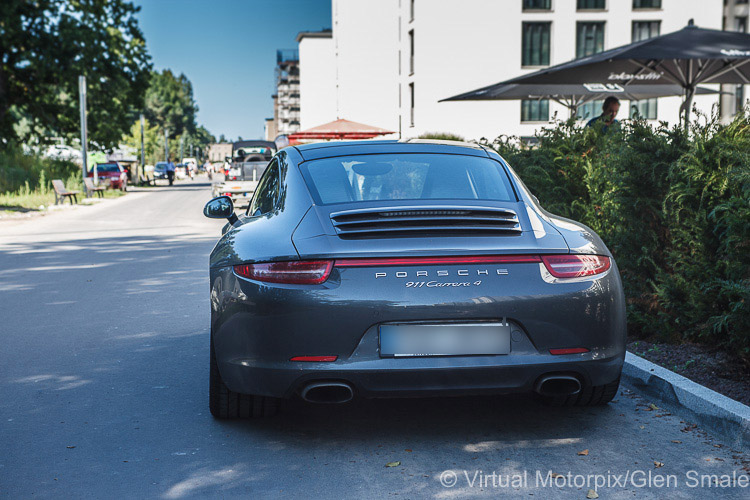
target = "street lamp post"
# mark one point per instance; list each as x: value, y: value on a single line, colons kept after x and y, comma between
x: 166, y: 145
x: 143, y: 152
x: 84, y: 130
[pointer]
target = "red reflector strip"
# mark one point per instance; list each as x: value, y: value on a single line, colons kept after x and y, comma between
x: 314, y: 358
x: 570, y: 350
x: 420, y: 261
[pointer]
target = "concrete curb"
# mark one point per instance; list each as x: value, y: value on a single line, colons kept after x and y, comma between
x: 700, y: 405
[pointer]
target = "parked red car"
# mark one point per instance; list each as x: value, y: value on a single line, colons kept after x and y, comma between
x: 112, y: 174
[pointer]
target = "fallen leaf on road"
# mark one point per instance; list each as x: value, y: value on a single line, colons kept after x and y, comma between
x: 407, y: 450
x: 658, y: 464
x: 653, y: 406
x: 642, y: 426
x: 393, y: 464
x: 555, y: 474
x: 584, y: 452
x: 676, y: 441
x: 70, y: 447
x: 592, y: 494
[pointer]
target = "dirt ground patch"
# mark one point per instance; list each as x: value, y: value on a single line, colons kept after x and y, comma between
x: 709, y: 367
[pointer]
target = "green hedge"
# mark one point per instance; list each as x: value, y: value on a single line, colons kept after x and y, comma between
x: 18, y: 169
x: 674, y: 209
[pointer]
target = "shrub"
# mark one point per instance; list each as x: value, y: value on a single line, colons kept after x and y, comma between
x: 18, y: 169
x: 442, y: 136
x: 705, y: 287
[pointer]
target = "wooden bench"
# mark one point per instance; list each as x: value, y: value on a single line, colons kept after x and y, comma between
x: 147, y: 180
x: 88, y: 182
x: 61, y: 192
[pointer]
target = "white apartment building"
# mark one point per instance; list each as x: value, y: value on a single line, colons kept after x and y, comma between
x: 317, y: 63
x: 395, y: 59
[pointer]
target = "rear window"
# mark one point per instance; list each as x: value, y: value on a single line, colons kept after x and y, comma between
x: 107, y: 167
x: 385, y: 177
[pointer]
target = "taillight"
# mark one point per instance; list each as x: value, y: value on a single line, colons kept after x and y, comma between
x: 575, y: 266
x: 300, y: 272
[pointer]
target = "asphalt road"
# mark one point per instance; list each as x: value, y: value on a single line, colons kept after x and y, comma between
x: 104, y: 377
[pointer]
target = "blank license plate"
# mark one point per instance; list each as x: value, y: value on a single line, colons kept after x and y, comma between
x: 444, y: 340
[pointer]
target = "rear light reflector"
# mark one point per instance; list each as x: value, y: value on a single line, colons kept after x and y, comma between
x: 314, y: 358
x: 570, y: 350
x: 298, y: 272
x: 420, y: 261
x: 575, y: 266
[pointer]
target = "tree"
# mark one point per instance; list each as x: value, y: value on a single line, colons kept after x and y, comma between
x: 170, y: 103
x: 152, y: 143
x: 46, y: 44
x: 200, y: 140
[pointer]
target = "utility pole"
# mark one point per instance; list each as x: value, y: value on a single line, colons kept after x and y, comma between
x: 143, y: 153
x: 166, y: 145
x: 182, y: 140
x: 84, y: 131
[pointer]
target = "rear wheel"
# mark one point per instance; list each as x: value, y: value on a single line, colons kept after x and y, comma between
x: 588, y: 396
x: 225, y: 403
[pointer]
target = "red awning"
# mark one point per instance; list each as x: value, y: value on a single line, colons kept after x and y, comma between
x: 339, y: 130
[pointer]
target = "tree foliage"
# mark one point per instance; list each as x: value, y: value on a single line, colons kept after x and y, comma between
x: 46, y: 44
x: 170, y: 103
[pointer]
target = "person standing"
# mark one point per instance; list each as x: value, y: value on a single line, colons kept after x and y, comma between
x: 610, y: 108
x: 170, y: 171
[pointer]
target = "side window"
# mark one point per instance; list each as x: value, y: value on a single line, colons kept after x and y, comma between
x: 267, y: 192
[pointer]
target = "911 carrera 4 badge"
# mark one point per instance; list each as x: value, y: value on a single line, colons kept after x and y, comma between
x: 441, y: 273
x: 440, y: 284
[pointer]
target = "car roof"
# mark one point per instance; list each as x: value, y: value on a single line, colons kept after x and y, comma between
x: 320, y: 150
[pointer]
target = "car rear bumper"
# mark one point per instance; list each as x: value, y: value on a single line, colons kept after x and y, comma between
x: 258, y: 327
x: 406, y: 377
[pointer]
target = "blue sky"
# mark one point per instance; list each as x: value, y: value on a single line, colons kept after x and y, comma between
x: 227, y: 48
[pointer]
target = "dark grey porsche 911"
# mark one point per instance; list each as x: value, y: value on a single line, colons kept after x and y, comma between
x: 416, y: 268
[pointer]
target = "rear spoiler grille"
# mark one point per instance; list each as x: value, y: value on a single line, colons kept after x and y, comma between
x: 425, y: 221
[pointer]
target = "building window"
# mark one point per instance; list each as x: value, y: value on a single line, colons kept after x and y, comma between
x: 739, y: 98
x: 643, y: 30
x: 589, y: 110
x: 740, y: 24
x: 589, y: 38
x: 646, y: 108
x: 646, y: 4
x: 592, y: 4
x: 537, y: 4
x: 411, y: 104
x: 535, y: 44
x: 535, y: 110
x: 411, y: 52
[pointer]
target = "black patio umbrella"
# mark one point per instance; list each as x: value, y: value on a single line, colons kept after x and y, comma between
x: 688, y: 57
x: 570, y: 95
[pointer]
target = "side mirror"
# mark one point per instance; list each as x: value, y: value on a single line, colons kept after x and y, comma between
x: 220, y: 207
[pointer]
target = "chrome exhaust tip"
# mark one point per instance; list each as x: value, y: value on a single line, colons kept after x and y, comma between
x: 558, y: 385
x: 327, y: 392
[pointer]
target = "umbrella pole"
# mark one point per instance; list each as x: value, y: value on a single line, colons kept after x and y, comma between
x: 688, y: 104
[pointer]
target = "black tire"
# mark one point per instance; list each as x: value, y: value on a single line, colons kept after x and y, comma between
x: 226, y: 404
x: 588, y: 396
